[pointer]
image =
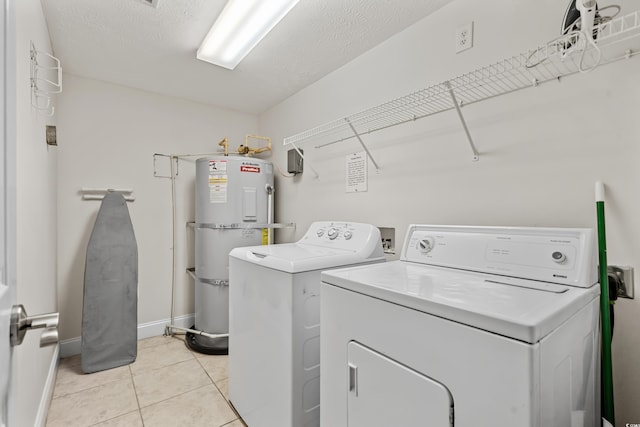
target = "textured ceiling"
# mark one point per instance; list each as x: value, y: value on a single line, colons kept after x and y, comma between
x: 131, y: 43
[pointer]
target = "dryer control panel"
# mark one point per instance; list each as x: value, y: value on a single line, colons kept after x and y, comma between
x: 557, y: 255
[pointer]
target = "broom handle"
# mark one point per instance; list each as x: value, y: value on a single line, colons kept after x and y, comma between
x: 607, y: 369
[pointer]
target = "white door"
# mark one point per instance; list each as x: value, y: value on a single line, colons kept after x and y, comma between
x: 7, y: 203
x: 383, y: 393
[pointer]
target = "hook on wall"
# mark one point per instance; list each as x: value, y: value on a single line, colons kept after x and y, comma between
x: 99, y: 193
x: 46, y: 80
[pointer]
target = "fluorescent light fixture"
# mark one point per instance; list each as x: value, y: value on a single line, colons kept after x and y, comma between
x: 239, y: 28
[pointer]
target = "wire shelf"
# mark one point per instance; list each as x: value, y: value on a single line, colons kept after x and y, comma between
x: 571, y: 54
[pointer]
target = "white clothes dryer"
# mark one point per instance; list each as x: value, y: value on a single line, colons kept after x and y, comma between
x: 274, y: 320
x: 473, y: 326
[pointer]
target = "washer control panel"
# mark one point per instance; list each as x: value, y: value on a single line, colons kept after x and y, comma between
x: 343, y: 235
x: 566, y: 256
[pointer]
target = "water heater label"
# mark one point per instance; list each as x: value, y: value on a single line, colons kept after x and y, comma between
x: 218, y: 193
x: 218, y: 181
x: 254, y: 169
x: 217, y: 166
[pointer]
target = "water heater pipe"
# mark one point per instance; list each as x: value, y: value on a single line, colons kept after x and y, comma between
x: 270, y: 191
x: 173, y: 233
x: 225, y: 143
x: 196, y: 332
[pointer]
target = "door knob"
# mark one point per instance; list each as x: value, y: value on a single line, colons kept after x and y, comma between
x: 21, y: 323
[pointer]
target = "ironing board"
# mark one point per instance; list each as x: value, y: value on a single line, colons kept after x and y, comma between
x: 110, y: 308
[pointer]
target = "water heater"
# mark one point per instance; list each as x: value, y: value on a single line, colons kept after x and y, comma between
x: 232, y: 209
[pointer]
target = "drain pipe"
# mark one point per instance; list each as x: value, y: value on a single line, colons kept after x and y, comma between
x: 196, y: 332
x: 173, y: 244
x: 173, y: 158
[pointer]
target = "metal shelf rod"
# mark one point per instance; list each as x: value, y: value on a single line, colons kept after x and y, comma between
x: 476, y: 156
x: 355, y: 132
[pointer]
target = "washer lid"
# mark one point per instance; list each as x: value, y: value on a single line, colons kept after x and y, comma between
x: 298, y: 257
x: 521, y: 309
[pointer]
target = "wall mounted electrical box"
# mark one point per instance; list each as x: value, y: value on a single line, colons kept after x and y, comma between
x: 388, y: 236
x: 295, y: 162
x: 623, y: 282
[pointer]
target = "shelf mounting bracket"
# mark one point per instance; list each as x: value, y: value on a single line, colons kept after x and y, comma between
x: 355, y: 132
x: 476, y: 155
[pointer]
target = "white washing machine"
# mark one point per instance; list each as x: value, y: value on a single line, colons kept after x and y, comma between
x: 473, y: 326
x: 274, y: 320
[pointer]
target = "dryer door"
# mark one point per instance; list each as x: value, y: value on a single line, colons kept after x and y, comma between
x: 383, y: 393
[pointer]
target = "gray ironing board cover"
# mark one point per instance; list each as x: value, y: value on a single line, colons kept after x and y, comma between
x: 110, y: 308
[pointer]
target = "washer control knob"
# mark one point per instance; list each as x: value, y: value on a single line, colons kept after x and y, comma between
x: 348, y: 235
x: 320, y: 233
x: 332, y: 233
x: 558, y: 257
x: 425, y: 245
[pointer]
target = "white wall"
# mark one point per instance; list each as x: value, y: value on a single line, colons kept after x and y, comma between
x: 36, y: 221
x: 107, y: 137
x: 541, y: 149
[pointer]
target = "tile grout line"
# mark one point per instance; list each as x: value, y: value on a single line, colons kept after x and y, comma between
x: 233, y: 409
x: 71, y: 396
x: 87, y: 388
x: 131, y: 378
x: 188, y: 390
x: 104, y: 421
x: 146, y: 371
x: 172, y: 397
x: 170, y: 339
x: 163, y: 366
x: 84, y: 390
x: 215, y: 384
x: 231, y: 422
x: 140, y: 407
x: 135, y: 391
x: 208, y: 376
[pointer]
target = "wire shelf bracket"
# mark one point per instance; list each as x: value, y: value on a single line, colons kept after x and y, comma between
x: 364, y: 146
x: 476, y: 155
x: 570, y: 54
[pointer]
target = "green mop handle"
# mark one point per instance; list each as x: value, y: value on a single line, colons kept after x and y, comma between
x: 605, y: 315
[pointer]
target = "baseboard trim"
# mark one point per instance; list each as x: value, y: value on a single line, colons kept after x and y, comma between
x: 47, y: 393
x: 72, y: 346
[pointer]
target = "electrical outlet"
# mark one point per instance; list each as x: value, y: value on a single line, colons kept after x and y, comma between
x: 464, y: 37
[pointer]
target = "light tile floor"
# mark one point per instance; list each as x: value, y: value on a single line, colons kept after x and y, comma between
x: 167, y: 386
